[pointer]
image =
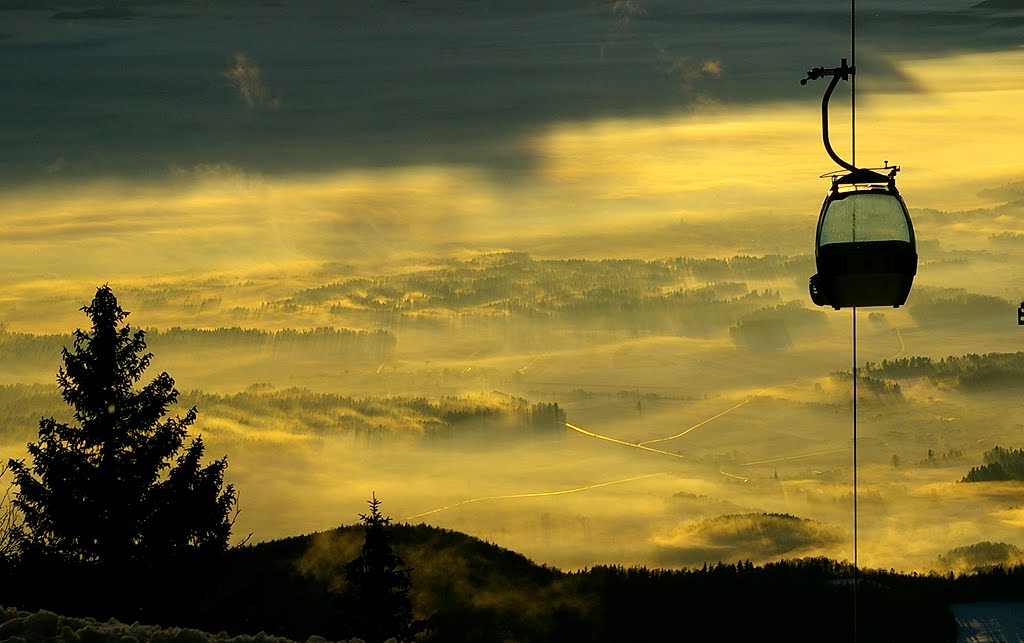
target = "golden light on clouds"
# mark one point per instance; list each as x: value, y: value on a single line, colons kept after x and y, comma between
x: 245, y: 76
x: 954, y: 138
x: 713, y: 67
x: 769, y: 156
x: 711, y: 165
x: 602, y: 174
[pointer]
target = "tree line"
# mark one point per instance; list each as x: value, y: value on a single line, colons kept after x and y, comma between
x: 956, y: 307
x: 500, y: 276
x: 968, y: 372
x: 312, y: 412
x: 17, y: 346
x: 684, y: 295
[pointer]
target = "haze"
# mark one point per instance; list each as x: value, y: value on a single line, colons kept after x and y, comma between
x: 521, y: 204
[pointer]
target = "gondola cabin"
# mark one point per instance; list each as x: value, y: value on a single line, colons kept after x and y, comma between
x: 865, y: 250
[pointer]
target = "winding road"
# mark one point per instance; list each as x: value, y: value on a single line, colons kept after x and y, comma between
x: 536, y: 494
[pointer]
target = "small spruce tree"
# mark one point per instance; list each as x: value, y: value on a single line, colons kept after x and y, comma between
x: 381, y: 582
x: 118, y: 492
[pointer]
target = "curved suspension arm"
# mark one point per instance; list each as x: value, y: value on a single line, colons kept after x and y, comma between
x: 843, y: 72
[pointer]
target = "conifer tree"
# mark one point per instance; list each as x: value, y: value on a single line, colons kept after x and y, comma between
x: 382, y: 583
x: 119, y: 490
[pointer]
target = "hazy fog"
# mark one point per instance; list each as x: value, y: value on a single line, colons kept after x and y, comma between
x: 459, y: 177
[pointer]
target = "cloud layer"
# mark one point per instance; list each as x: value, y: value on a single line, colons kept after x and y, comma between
x: 399, y: 84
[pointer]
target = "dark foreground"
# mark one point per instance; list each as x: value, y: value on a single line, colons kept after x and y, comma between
x: 469, y: 590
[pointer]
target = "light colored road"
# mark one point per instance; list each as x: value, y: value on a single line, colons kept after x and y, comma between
x: 622, y: 442
x: 903, y: 346
x: 715, y: 417
x: 643, y: 445
x: 532, y: 362
x: 536, y: 494
x: 734, y: 477
x: 703, y: 422
x: 794, y: 457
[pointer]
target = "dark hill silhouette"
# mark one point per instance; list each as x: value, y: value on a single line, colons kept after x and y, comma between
x: 473, y: 590
x: 478, y: 591
x: 295, y: 587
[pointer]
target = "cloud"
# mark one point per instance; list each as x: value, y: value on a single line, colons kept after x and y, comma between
x: 627, y: 10
x: 327, y: 554
x: 686, y: 69
x: 466, y: 90
x: 245, y: 76
x: 56, y: 166
x: 712, y: 67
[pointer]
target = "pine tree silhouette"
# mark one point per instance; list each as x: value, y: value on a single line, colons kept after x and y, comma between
x: 382, y: 583
x: 119, y: 492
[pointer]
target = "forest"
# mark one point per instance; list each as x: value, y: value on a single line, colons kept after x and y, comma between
x: 28, y: 347
x: 991, y: 371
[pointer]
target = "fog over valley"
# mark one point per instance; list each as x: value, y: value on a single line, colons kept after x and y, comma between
x: 535, y: 272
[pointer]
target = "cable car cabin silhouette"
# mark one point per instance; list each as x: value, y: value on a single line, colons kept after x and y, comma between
x: 865, y: 250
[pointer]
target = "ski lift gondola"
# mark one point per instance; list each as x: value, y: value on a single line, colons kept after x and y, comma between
x: 865, y: 249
